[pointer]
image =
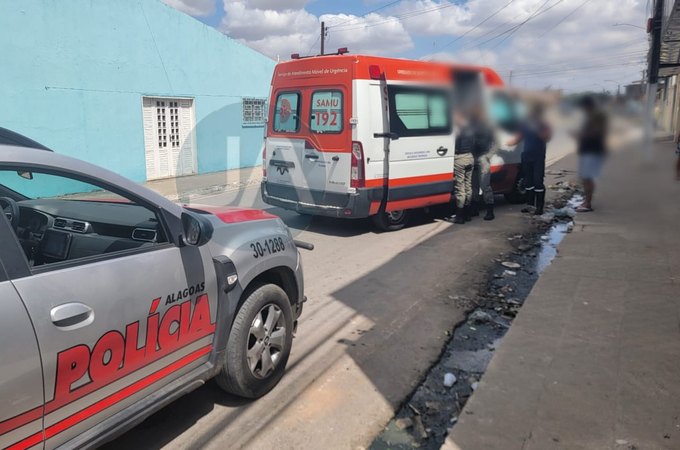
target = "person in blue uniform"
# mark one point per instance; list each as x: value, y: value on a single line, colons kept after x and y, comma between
x: 535, y: 133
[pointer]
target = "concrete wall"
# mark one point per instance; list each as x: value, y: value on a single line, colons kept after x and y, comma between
x: 74, y: 72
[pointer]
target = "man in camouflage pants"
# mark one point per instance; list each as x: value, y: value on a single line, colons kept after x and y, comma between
x: 463, y: 163
x: 481, y: 175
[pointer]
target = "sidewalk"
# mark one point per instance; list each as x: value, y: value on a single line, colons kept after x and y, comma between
x: 593, y: 359
x: 182, y: 188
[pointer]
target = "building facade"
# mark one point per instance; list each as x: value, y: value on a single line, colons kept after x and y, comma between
x: 132, y: 85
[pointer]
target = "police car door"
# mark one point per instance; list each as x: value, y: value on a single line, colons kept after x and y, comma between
x: 21, y: 387
x: 421, y: 159
x: 112, y: 327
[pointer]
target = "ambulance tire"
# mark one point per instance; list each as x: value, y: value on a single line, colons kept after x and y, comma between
x: 236, y: 377
x: 391, y: 221
x: 518, y: 194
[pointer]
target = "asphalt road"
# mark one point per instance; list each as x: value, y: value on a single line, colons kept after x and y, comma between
x: 380, y: 307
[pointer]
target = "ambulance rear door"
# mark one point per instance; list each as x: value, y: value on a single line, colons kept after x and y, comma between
x: 308, y: 146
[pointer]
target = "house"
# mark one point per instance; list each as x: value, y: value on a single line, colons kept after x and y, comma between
x: 131, y: 85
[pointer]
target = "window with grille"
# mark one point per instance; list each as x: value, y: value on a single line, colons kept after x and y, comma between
x: 254, y: 111
x: 167, y: 123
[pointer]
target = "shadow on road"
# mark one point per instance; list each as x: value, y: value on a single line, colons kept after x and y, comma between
x: 409, y: 302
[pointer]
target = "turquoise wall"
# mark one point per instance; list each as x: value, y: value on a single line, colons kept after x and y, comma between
x: 73, y: 74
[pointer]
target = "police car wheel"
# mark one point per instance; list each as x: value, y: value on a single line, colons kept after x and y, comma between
x: 259, y: 343
x: 390, y: 221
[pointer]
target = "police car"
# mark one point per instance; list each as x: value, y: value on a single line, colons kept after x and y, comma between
x: 114, y: 300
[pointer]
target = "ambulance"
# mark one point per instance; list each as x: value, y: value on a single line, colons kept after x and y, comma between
x: 354, y: 136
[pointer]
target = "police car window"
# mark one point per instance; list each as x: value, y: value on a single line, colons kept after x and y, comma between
x: 327, y: 112
x: 286, y: 112
x: 58, y: 219
x: 419, y: 111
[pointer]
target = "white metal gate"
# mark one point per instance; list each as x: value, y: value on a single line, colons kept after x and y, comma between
x: 169, y: 137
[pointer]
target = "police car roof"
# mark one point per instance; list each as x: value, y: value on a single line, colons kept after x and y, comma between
x: 8, y: 137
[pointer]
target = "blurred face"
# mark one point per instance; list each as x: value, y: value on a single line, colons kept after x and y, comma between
x: 536, y: 112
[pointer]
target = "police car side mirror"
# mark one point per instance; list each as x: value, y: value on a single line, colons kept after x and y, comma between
x: 197, y: 229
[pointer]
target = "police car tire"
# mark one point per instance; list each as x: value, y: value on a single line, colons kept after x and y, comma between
x: 235, y: 376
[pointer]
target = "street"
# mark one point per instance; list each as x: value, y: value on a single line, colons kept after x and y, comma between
x: 379, y: 311
x: 153, y: 281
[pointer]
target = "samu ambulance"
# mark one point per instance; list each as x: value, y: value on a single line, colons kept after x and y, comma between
x: 354, y: 136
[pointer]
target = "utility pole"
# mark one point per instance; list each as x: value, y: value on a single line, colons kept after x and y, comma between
x: 323, y: 36
x: 510, y: 79
x: 653, y: 71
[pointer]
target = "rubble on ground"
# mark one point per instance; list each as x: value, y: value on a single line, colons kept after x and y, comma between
x: 438, y: 401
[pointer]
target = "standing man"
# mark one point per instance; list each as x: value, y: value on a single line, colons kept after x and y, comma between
x: 481, y: 175
x: 463, y: 164
x: 536, y: 134
x: 591, y: 149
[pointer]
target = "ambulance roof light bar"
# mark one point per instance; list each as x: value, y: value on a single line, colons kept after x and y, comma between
x: 341, y: 51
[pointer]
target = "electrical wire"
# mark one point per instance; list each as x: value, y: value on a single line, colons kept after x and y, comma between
x: 537, y: 13
x: 578, y: 69
x: 476, y: 26
x: 564, y: 18
x: 309, y: 52
x: 400, y: 17
x: 364, y: 14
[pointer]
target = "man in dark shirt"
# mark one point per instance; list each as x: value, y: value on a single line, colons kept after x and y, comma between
x: 535, y: 134
x: 591, y: 149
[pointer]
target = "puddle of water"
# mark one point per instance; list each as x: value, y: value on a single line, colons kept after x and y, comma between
x: 549, y: 243
x: 551, y: 239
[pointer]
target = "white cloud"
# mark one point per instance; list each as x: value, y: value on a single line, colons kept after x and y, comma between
x: 199, y: 8
x: 276, y: 5
x: 562, y: 35
x: 281, y: 32
x: 562, y: 47
x: 429, y: 17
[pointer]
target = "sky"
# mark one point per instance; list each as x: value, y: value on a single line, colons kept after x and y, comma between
x: 575, y: 45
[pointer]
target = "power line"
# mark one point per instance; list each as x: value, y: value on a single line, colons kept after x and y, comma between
x: 537, y: 13
x: 365, y: 14
x: 479, y: 38
x: 564, y: 18
x: 309, y: 52
x: 533, y: 67
x: 579, y: 69
x: 476, y: 26
x: 404, y: 16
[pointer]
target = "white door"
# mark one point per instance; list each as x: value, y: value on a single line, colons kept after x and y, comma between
x: 169, y: 137
x: 421, y: 160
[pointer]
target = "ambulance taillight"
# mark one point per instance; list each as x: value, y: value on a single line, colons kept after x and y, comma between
x: 264, y: 161
x: 357, y: 176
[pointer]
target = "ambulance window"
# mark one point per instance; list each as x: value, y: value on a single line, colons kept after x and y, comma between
x: 419, y: 111
x: 286, y: 117
x: 327, y: 110
x: 505, y: 111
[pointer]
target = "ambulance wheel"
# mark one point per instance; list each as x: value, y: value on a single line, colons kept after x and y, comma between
x: 518, y: 194
x: 259, y: 343
x: 390, y: 221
